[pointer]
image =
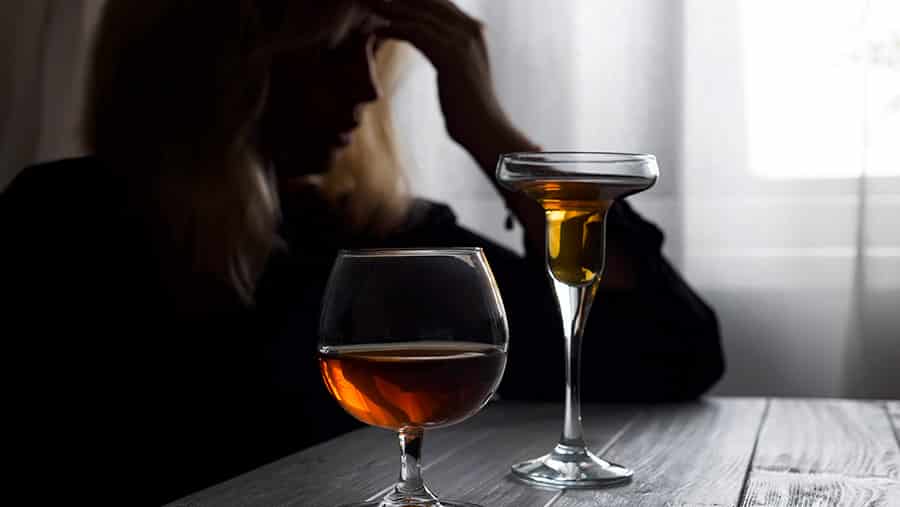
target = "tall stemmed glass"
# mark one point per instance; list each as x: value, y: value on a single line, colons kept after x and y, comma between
x: 576, y: 191
x: 412, y: 340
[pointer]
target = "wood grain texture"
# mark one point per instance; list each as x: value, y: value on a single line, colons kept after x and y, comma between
x: 469, y: 461
x: 785, y: 489
x: 307, y: 476
x: 807, y: 453
x: 689, y: 454
x: 851, y: 438
x: 893, y: 408
x: 481, y: 473
x: 347, y: 469
x: 825, y: 452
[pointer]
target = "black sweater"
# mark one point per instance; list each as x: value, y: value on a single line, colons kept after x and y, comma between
x: 106, y: 367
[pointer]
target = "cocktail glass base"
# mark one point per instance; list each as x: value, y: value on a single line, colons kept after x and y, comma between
x: 571, y: 467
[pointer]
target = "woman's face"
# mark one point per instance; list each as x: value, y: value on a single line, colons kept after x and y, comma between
x: 316, y: 96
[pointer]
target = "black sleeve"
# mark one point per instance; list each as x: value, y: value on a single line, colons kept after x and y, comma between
x: 657, y: 342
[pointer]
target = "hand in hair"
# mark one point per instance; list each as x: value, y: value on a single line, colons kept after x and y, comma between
x: 454, y: 43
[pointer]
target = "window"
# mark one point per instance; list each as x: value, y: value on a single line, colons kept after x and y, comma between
x: 822, y: 88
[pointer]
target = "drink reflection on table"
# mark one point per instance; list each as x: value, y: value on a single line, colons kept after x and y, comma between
x: 166, y: 288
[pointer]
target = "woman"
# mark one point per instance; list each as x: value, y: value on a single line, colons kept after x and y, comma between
x: 167, y: 288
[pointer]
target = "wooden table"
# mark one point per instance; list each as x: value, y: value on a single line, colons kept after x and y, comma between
x: 719, y: 451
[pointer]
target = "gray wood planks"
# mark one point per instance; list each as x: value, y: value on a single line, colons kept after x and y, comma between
x: 306, y: 476
x: 784, y: 489
x: 688, y: 454
x: 806, y: 453
x: 825, y: 452
x: 469, y: 461
x: 481, y: 473
x: 347, y: 469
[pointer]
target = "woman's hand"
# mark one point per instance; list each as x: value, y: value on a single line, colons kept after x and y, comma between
x: 454, y: 43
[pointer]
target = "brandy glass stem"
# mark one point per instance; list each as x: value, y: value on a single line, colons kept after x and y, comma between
x: 410, y: 488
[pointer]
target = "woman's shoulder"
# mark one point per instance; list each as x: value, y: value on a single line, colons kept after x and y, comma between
x: 56, y: 177
x: 434, y: 225
x: 59, y: 189
x: 63, y: 205
x: 424, y: 214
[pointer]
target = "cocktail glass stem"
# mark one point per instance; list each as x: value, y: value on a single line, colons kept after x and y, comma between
x: 570, y: 464
x: 574, y: 305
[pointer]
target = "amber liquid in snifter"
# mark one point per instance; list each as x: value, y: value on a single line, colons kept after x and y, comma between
x: 575, y: 212
x: 421, y: 384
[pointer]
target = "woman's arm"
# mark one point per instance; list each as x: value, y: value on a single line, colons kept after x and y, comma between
x: 655, y: 342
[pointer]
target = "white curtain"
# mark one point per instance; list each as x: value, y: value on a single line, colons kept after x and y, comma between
x: 777, y: 127
x: 776, y: 124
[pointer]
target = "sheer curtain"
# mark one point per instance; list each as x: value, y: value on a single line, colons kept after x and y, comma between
x: 777, y: 127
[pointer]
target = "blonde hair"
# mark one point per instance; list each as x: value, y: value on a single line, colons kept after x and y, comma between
x: 175, y: 96
x: 369, y: 170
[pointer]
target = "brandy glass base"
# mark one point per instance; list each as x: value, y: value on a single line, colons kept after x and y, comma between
x: 410, y: 494
x: 571, y: 467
